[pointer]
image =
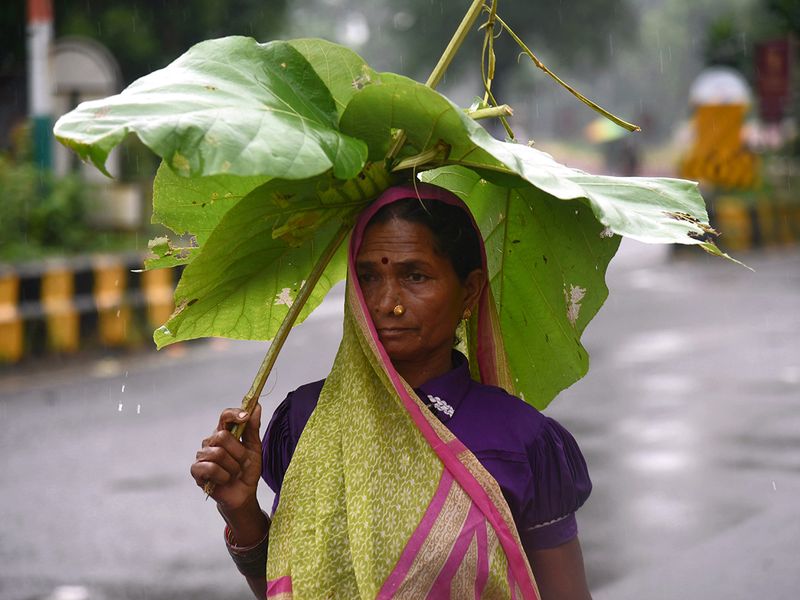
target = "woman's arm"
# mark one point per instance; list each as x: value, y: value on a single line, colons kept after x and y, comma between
x: 234, y: 468
x: 248, y: 529
x: 559, y: 572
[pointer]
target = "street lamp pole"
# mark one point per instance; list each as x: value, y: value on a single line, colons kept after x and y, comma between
x: 40, y: 103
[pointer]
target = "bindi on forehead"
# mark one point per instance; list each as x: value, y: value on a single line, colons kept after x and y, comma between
x: 385, y: 260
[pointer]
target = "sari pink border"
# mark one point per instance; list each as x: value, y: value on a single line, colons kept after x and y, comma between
x: 282, y: 585
x: 517, y: 563
x: 483, y: 561
x: 411, y: 550
x: 441, y: 587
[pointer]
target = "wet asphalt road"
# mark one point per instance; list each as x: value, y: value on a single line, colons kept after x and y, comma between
x: 689, y: 418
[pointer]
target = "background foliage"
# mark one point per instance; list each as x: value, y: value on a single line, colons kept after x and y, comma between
x: 40, y: 213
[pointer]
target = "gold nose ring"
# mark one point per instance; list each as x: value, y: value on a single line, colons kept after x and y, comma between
x: 399, y: 310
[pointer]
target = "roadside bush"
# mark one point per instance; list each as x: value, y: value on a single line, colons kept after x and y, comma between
x: 41, y: 214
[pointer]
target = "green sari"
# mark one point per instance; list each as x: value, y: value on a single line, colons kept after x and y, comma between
x: 380, y: 500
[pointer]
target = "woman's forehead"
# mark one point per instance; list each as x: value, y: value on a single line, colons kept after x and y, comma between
x: 396, y: 238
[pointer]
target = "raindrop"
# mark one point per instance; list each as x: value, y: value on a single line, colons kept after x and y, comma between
x: 138, y: 409
x: 774, y: 487
x: 611, y: 44
x: 119, y: 408
x: 661, y: 61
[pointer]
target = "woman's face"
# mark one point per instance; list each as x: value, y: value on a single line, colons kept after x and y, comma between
x: 398, y: 264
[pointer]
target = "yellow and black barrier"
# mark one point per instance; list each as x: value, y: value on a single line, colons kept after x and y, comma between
x: 63, y: 306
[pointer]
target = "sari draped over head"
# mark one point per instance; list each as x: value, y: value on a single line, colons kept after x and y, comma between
x: 380, y: 500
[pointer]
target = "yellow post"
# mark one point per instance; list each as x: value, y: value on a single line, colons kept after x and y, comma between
x: 733, y: 220
x: 58, y: 288
x: 158, y: 289
x: 10, y: 322
x: 765, y: 209
x: 113, y: 316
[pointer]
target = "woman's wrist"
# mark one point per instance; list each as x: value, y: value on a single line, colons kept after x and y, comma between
x: 247, y: 524
x: 250, y: 559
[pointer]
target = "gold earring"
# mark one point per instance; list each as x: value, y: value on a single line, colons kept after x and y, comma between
x: 399, y: 310
x: 467, y: 314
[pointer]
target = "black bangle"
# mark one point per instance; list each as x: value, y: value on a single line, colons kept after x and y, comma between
x: 250, y: 560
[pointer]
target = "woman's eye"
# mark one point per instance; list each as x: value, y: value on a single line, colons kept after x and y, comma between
x: 416, y: 277
x: 366, y: 277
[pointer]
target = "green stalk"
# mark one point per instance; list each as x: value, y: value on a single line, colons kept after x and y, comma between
x: 438, y: 152
x: 573, y: 91
x: 441, y: 67
x: 455, y: 43
x: 488, y: 65
x: 503, y: 110
x: 251, y: 397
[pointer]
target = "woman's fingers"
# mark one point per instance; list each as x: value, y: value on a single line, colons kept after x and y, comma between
x: 219, y: 456
x: 207, y: 472
x: 230, y: 417
x: 222, y: 458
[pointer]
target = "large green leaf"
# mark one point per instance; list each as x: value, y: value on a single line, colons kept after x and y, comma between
x: 655, y: 210
x: 195, y: 205
x: 227, y: 106
x: 247, y: 274
x: 547, y: 261
x: 342, y: 71
x: 192, y: 207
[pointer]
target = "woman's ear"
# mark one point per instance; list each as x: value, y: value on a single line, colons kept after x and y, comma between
x: 473, y: 285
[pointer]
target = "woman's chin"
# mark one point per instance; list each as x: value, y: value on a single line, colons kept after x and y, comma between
x: 398, y: 351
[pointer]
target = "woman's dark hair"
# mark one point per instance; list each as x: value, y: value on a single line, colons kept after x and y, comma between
x: 453, y: 233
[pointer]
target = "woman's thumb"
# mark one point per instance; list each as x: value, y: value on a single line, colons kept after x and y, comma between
x: 252, y: 434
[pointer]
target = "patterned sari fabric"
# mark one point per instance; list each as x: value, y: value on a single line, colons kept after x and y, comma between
x: 380, y: 500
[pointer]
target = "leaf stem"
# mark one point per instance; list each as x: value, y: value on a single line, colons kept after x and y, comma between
x: 455, y: 43
x: 503, y: 110
x: 251, y: 397
x: 438, y: 152
x: 573, y: 91
x: 441, y: 67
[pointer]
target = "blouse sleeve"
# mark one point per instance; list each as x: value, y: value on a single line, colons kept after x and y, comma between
x: 277, y: 447
x: 283, y: 432
x: 560, y: 485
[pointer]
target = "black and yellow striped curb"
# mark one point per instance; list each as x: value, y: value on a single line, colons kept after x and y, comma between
x: 767, y: 222
x: 65, y: 305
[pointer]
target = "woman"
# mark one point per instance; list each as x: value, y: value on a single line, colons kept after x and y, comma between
x: 410, y: 479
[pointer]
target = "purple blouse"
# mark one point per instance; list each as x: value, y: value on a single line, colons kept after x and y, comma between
x: 536, y: 462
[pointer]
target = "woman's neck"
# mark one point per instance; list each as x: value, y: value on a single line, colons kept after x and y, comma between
x: 418, y: 372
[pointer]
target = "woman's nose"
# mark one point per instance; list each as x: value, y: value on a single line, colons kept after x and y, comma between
x: 388, y: 296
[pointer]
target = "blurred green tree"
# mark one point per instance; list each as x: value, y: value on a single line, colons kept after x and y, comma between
x: 142, y: 34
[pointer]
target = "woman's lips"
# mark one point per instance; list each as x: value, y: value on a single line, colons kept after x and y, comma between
x: 393, y: 331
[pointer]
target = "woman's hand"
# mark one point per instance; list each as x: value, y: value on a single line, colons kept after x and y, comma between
x: 233, y: 467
